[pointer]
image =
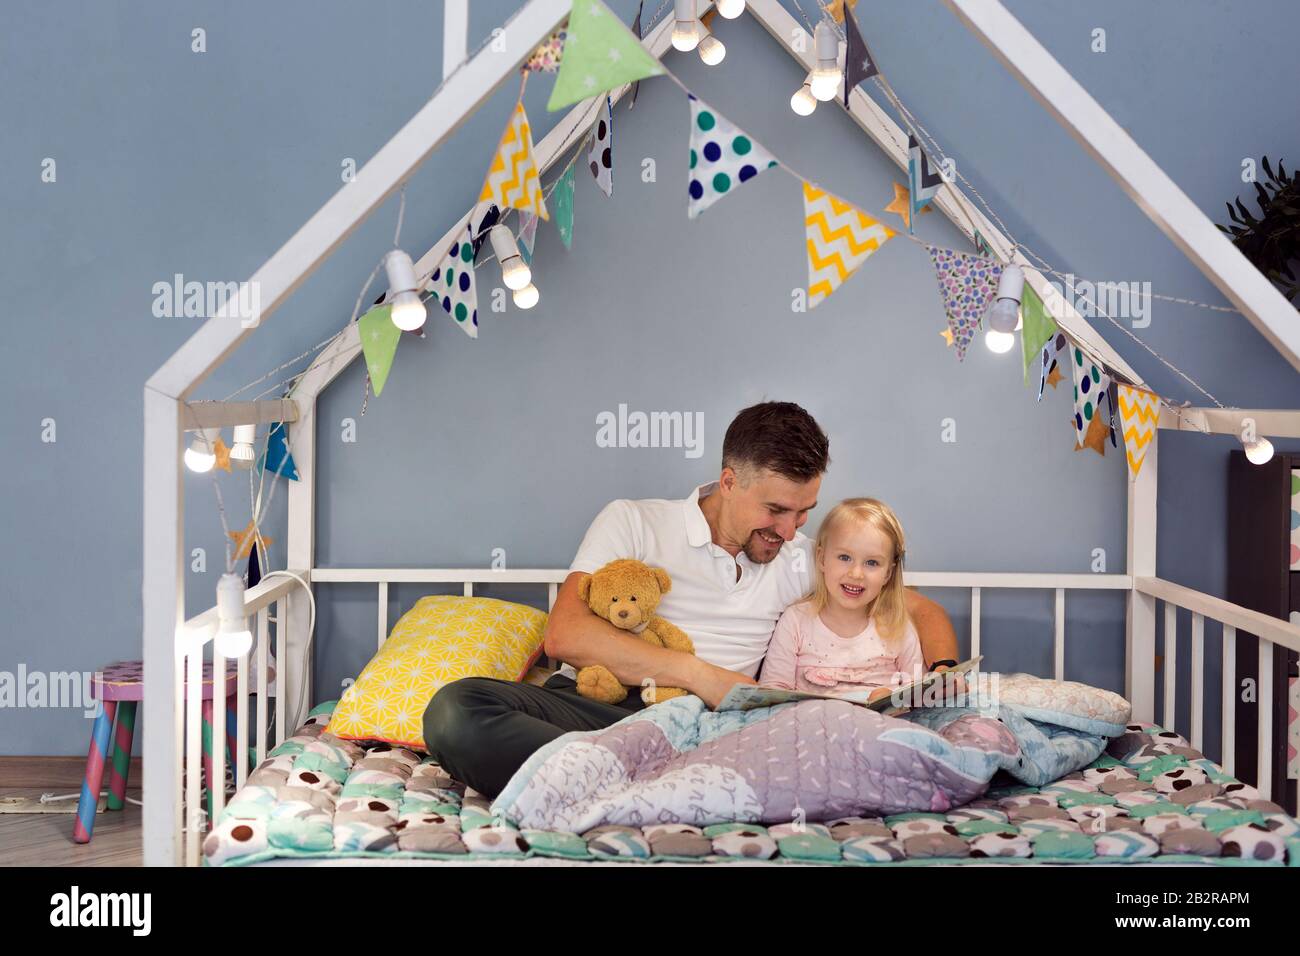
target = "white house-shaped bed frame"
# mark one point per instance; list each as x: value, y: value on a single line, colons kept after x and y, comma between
x: 174, y: 646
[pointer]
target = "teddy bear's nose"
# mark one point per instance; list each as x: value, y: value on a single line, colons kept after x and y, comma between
x: 622, y: 613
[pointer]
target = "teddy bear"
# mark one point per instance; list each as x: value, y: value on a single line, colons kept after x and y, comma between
x: 625, y: 593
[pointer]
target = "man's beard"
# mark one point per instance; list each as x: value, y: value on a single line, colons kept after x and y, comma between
x: 755, y: 547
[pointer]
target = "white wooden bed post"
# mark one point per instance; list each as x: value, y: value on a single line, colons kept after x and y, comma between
x: 1140, y: 615
x: 163, y: 568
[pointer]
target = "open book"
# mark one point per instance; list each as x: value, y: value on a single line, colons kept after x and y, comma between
x: 927, y: 690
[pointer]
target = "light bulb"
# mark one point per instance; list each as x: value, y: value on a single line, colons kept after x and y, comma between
x: 514, y: 271
x: 1259, y: 451
x: 202, y: 454
x: 803, y: 102
x: 403, y: 291
x: 241, y: 451
x: 711, y: 50
x: 527, y: 297
x: 730, y: 9
x: 1005, y: 311
x: 826, y: 75
x: 233, y: 639
x: 408, y: 311
x: 685, y: 39
x: 999, y: 341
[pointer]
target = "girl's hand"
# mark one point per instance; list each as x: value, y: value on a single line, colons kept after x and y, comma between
x: 953, y: 684
x: 878, y: 694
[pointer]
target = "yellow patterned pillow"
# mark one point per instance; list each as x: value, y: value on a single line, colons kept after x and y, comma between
x: 443, y: 638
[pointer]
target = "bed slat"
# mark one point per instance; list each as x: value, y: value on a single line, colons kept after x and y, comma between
x: 1264, y: 719
x: 974, y: 622
x: 1059, y: 622
x: 383, y: 613
x: 1228, y: 718
x: 1170, y: 664
x: 1198, y: 680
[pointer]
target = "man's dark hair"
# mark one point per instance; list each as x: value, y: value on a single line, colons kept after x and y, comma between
x: 777, y: 436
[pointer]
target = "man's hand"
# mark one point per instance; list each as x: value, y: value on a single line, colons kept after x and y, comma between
x: 711, y: 683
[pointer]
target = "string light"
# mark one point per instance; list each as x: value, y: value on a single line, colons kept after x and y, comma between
x: 408, y: 310
x: 514, y: 271
x: 526, y: 297
x: 685, y: 35
x: 826, y: 75
x: 1259, y: 450
x: 202, y: 455
x: 730, y: 9
x: 711, y: 50
x: 803, y: 102
x: 241, y: 451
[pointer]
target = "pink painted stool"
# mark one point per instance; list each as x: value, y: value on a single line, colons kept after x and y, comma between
x: 122, y: 684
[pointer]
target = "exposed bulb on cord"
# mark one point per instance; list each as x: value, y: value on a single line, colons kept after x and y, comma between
x: 803, y: 102
x: 403, y: 291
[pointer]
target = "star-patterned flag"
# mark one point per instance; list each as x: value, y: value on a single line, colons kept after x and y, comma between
x: 600, y: 150
x: 1091, y: 423
x: 840, y: 237
x: 966, y: 283
x: 923, y: 182
x: 513, y: 181
x: 859, y: 64
x: 600, y: 53
x: 276, y: 459
x: 527, y: 236
x: 636, y: 32
x: 1049, y: 372
x: 379, y: 338
x: 452, y: 285
x: 1139, y: 413
x: 562, y: 200
x: 484, y: 216
x: 723, y: 157
x: 1038, y: 327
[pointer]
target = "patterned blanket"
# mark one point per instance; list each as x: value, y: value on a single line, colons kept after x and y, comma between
x: 1149, y: 798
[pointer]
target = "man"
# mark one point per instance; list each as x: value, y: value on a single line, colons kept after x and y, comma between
x: 736, y: 558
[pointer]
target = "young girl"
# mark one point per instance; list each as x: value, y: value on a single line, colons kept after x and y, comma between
x: 851, y: 637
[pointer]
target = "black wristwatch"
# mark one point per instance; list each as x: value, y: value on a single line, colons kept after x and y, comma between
x: 943, y: 663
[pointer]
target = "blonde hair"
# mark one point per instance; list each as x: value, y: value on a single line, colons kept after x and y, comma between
x: 889, y: 609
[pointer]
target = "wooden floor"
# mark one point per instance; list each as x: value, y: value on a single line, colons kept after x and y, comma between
x: 45, y: 839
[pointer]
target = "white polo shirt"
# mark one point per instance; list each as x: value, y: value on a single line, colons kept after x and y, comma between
x: 729, y: 620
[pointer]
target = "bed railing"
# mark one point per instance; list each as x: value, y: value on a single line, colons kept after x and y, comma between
x: 291, y: 675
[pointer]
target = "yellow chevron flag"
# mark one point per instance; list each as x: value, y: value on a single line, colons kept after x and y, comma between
x: 1139, y: 411
x: 840, y: 238
x: 513, y: 180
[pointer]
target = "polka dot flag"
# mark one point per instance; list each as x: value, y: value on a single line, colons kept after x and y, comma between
x: 600, y: 150
x: 452, y: 285
x: 723, y: 157
x: 1090, y: 384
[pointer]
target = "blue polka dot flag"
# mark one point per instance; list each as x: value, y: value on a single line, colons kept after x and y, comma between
x: 723, y: 157
x: 1091, y: 419
x: 452, y: 285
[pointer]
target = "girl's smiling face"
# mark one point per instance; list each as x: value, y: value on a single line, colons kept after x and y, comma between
x: 856, y: 564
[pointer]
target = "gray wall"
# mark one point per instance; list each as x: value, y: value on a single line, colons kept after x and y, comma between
x: 203, y: 164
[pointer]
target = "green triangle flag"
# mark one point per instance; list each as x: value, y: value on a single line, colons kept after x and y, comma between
x: 600, y: 53
x: 1037, y: 329
x: 379, y: 338
x: 562, y: 206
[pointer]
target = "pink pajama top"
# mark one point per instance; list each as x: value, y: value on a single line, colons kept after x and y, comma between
x: 806, y: 655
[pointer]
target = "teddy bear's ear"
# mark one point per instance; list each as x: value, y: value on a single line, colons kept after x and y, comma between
x: 584, y: 588
x: 665, y: 582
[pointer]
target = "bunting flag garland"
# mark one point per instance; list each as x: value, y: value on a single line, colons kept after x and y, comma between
x: 254, y: 567
x: 562, y: 200
x: 452, y: 286
x: 1038, y: 327
x: 723, y: 157
x: 1139, y: 412
x: 837, y: 9
x: 1048, y: 371
x: 840, y: 238
x: 1112, y: 410
x: 527, y: 236
x: 966, y: 283
x: 379, y: 338
x: 276, y: 459
x: 600, y: 151
x: 923, y: 182
x: 512, y: 181
x: 859, y: 65
x: 636, y: 32
x: 600, y: 53
x: 484, y: 217
x: 947, y: 336
x: 546, y: 58
x: 1091, y: 425
x: 982, y: 247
